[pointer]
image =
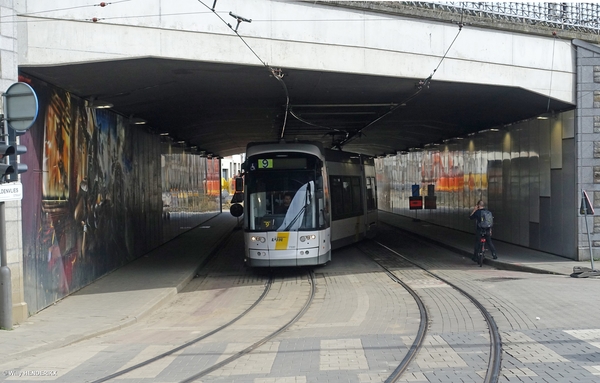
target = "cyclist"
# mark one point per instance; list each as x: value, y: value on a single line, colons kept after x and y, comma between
x: 476, y: 214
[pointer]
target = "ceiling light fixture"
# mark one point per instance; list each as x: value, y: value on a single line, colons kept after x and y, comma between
x: 545, y: 116
x: 137, y: 121
x: 489, y: 130
x: 98, y: 104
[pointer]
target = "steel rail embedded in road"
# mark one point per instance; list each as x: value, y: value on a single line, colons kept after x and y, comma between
x: 495, y: 359
x: 191, y: 342
x: 263, y: 340
x: 419, y: 338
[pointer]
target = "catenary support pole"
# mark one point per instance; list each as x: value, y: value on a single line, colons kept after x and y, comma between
x: 5, y: 278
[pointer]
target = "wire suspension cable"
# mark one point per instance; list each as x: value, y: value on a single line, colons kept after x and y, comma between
x: 274, y: 72
x: 293, y: 114
x: 101, y: 4
x: 422, y: 85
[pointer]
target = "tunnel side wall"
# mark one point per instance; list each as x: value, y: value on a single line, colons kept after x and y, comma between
x: 99, y: 193
x: 525, y: 173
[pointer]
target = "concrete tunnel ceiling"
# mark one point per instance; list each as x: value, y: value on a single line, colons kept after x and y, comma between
x: 221, y: 107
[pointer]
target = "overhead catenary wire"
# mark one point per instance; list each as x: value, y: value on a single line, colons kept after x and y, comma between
x: 424, y: 83
x: 293, y: 114
x: 276, y: 73
x: 101, y: 4
x: 420, y: 86
x: 39, y: 19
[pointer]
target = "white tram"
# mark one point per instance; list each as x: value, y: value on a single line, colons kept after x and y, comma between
x: 333, y: 203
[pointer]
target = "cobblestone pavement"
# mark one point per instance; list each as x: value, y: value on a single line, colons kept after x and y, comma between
x: 540, y: 317
x: 358, y: 328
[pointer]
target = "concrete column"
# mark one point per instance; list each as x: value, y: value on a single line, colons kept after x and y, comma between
x: 9, y: 74
x: 588, y: 142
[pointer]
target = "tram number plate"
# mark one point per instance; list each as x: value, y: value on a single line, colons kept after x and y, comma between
x: 265, y: 164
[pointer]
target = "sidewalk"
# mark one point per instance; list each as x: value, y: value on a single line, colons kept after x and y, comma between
x: 510, y: 257
x: 120, y: 298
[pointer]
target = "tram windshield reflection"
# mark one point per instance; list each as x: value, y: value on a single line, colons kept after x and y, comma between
x: 284, y: 200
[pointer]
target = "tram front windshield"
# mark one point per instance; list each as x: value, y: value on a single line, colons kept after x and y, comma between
x: 285, y: 198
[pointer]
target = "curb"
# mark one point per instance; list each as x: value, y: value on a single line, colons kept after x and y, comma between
x: 496, y: 263
x: 160, y: 299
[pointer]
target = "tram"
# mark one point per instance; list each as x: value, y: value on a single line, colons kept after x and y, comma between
x: 300, y: 201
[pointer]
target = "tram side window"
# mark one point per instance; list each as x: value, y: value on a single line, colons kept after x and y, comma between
x: 345, y: 197
x: 371, y: 201
x: 356, y: 196
x: 337, y: 203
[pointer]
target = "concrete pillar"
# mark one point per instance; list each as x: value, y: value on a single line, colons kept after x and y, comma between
x: 9, y: 74
x: 588, y: 142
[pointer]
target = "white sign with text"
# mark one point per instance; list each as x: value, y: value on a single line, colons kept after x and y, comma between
x: 12, y: 191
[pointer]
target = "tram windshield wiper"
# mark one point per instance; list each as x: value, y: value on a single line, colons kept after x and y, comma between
x: 295, y: 214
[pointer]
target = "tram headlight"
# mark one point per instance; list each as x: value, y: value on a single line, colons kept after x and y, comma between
x: 258, y: 239
x: 307, y: 237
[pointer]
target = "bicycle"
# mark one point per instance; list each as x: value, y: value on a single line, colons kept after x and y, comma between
x: 482, y: 243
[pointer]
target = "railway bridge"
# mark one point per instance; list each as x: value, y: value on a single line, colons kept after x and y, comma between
x: 467, y: 101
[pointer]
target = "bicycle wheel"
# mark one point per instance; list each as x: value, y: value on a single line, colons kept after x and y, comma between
x: 481, y: 253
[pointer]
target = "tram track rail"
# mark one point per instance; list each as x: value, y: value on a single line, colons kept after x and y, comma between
x: 237, y: 355
x: 262, y: 341
x: 495, y: 351
x: 421, y: 332
x: 147, y: 362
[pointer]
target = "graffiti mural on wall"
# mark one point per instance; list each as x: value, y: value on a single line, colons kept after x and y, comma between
x: 190, y: 183
x: 524, y: 172
x: 459, y: 177
x: 83, y: 197
x: 190, y: 189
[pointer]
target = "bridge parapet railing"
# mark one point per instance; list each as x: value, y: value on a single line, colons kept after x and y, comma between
x: 581, y: 17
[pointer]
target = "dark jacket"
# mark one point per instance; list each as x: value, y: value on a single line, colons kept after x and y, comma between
x: 477, y: 217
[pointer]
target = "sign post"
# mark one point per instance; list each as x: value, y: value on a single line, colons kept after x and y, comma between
x: 20, y: 107
x: 416, y: 201
x: 586, y: 209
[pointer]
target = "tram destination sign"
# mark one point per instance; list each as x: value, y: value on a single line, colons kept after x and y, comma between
x: 12, y: 191
x: 281, y: 163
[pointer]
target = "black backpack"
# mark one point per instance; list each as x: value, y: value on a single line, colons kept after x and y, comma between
x: 486, y: 219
